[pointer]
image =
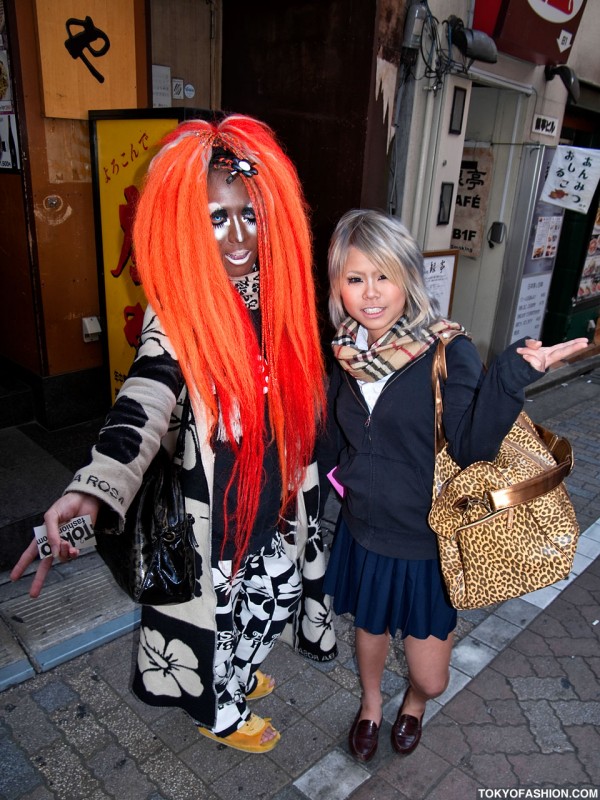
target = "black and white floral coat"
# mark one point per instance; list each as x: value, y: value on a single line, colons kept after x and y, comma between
x: 177, y: 643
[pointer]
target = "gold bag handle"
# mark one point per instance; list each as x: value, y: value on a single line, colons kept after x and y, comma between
x: 522, y: 492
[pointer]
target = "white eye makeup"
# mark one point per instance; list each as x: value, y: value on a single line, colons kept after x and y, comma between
x: 222, y: 220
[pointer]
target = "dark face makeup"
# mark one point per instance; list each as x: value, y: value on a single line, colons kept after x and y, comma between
x: 234, y: 223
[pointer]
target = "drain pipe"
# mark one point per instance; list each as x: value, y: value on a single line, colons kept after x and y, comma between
x: 420, y: 188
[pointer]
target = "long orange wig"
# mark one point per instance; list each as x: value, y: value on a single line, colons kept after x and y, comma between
x: 202, y: 314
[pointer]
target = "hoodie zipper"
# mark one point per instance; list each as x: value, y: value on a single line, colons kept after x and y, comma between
x: 360, y: 397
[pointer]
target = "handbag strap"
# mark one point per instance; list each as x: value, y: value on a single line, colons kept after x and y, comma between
x: 439, y: 375
x: 549, y: 479
x: 522, y: 492
x: 183, y: 425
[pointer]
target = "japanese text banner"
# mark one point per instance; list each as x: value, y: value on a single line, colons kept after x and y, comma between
x: 470, y: 213
x: 572, y: 178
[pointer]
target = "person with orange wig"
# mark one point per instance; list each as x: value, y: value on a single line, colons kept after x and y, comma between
x: 223, y: 248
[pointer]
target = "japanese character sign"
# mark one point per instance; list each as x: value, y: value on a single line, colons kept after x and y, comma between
x: 88, y: 48
x: 83, y: 40
x: 572, y: 178
x: 439, y: 274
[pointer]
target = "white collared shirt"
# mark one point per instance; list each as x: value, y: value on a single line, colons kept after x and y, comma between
x: 370, y: 389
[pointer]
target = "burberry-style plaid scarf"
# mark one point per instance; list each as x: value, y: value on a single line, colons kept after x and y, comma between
x: 394, y: 351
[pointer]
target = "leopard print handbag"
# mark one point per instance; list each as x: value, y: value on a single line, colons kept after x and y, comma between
x: 507, y: 527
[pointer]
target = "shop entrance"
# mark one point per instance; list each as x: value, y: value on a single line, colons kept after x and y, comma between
x: 492, y: 155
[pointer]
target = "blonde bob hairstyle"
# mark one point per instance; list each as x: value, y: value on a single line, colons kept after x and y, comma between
x: 388, y: 245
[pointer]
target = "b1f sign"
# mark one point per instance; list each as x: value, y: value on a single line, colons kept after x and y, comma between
x: 470, y: 212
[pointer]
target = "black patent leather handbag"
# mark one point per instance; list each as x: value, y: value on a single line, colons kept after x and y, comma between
x: 152, y: 559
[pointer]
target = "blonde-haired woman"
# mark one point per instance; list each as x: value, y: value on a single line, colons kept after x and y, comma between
x: 384, y: 567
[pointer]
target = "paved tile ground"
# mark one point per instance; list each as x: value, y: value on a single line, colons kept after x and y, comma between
x: 522, y: 709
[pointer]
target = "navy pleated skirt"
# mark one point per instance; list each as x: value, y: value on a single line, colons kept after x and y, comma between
x: 385, y: 593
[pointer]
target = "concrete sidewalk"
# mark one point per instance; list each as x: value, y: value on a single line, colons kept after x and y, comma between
x: 522, y: 709
x: 520, y: 713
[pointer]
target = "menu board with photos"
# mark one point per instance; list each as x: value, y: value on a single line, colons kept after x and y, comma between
x: 589, y: 284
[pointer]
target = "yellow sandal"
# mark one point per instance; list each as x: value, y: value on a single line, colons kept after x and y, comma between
x: 247, y: 738
x: 264, y: 686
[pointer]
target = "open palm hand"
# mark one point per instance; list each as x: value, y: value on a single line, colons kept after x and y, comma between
x: 541, y: 358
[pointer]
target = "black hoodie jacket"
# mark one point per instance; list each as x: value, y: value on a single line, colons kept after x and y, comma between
x: 386, y: 457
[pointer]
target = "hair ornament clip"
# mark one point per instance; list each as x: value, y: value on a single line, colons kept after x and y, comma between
x: 236, y: 166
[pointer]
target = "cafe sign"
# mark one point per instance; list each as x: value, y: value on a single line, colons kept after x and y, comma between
x: 470, y: 212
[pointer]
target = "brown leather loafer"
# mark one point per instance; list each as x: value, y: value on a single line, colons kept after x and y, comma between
x: 363, y: 738
x: 406, y: 733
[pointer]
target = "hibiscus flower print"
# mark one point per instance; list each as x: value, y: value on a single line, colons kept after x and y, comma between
x: 314, y: 558
x: 168, y: 668
x: 317, y: 624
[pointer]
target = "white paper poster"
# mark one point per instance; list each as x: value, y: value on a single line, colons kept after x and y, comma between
x: 439, y: 273
x: 9, y: 151
x: 6, y: 105
x: 572, y: 178
x: 161, y: 86
x: 547, y: 234
x: 531, y: 306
